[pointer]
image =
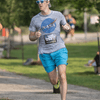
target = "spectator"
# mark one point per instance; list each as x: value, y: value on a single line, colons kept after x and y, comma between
x: 72, y: 23
x: 66, y: 32
x: 7, y: 31
x: 96, y: 59
x: 17, y: 29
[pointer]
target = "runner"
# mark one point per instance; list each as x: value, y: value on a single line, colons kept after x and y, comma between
x: 45, y: 26
x: 72, y: 23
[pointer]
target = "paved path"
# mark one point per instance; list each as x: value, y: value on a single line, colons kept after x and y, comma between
x: 19, y: 87
x: 82, y: 37
x: 78, y: 38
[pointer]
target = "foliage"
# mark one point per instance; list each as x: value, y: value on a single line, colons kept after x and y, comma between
x: 79, y: 5
x: 27, y: 9
x: 82, y: 5
x: 77, y: 8
x: 7, y: 12
x: 16, y: 12
x: 92, y: 28
x: 98, y: 5
x: 20, y: 12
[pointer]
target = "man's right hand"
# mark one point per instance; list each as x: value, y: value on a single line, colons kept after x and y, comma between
x: 38, y: 34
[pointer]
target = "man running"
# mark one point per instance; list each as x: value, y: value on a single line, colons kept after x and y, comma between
x: 45, y: 26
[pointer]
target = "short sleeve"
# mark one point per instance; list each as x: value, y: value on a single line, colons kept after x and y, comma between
x: 32, y: 26
x: 63, y: 20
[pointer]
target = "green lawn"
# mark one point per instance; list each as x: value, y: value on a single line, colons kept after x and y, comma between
x: 77, y: 74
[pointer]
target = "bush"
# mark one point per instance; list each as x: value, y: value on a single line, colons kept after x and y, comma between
x: 92, y: 28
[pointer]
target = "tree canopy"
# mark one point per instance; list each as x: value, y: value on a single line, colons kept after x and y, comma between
x: 20, y: 12
x: 17, y: 12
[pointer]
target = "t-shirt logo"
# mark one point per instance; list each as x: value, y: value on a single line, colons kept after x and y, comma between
x: 48, y: 25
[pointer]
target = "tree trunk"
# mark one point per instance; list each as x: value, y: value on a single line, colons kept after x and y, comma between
x: 8, y: 45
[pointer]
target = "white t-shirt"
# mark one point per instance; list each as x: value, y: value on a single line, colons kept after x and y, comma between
x: 49, y: 26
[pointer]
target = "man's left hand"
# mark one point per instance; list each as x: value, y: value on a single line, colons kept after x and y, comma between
x: 66, y: 27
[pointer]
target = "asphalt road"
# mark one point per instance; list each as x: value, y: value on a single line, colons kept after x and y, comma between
x: 19, y: 87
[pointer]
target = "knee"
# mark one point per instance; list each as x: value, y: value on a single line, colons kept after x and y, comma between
x: 62, y: 77
x: 53, y: 81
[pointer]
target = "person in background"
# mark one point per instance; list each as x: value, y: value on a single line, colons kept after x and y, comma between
x: 7, y: 31
x: 71, y: 21
x: 96, y: 59
x: 66, y: 31
x: 17, y: 29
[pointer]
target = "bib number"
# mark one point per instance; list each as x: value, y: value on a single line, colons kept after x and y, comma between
x: 51, y: 38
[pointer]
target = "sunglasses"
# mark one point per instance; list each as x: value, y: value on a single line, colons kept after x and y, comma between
x: 40, y: 1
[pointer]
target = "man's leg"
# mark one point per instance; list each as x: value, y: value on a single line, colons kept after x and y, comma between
x: 63, y: 82
x: 72, y: 32
x: 53, y: 76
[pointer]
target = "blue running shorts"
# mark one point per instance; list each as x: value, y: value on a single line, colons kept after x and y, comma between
x: 52, y: 60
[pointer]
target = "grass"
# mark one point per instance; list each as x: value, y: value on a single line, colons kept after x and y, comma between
x: 77, y: 74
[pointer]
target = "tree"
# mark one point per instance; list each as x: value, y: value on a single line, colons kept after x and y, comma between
x: 98, y: 5
x: 7, y: 17
x: 18, y: 12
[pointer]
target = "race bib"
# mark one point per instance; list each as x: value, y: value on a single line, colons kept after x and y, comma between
x: 51, y: 38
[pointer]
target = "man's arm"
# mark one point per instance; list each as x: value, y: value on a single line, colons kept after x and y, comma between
x: 91, y: 62
x: 34, y: 35
x: 1, y: 26
x: 74, y: 21
x: 17, y: 29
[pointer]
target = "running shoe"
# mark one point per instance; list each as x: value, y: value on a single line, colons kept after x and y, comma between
x: 56, y: 88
